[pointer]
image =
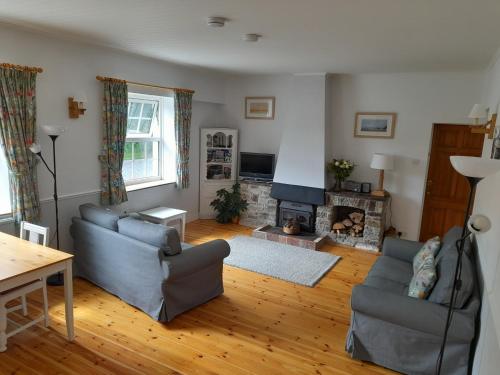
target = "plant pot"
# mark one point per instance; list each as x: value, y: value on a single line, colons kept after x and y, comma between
x: 235, y: 220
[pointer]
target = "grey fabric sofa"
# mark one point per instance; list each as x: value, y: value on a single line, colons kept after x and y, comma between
x: 403, y: 333
x: 142, y: 274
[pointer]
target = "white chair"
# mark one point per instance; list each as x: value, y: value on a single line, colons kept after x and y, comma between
x: 39, y: 235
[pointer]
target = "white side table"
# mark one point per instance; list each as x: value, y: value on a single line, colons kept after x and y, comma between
x: 164, y: 215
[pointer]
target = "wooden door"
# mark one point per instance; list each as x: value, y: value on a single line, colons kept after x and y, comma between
x: 447, y: 191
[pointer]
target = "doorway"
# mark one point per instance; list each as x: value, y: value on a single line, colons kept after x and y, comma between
x: 446, y: 191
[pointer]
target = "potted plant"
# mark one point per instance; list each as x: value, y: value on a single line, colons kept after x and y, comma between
x: 229, y: 205
x: 341, y: 169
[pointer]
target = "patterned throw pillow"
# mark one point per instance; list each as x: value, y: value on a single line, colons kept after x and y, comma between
x: 430, y: 248
x: 423, y: 280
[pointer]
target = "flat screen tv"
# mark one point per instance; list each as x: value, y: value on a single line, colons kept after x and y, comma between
x: 257, y: 166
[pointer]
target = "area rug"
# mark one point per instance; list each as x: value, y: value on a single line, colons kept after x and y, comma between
x: 285, y: 262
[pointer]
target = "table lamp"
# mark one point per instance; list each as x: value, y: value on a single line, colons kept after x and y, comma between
x: 383, y: 163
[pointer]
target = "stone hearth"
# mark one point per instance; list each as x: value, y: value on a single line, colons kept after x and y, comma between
x: 306, y: 240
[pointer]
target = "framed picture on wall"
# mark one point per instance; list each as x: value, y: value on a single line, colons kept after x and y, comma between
x: 375, y: 124
x: 260, y: 107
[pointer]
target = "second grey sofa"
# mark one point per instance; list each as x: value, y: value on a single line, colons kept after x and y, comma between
x: 141, y: 272
x: 404, y: 333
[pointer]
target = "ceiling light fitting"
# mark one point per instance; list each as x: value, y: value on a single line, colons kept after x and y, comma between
x: 251, y: 37
x: 216, y: 21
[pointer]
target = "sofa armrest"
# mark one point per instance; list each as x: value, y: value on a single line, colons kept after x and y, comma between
x: 401, y: 249
x: 194, y: 259
x: 417, y: 314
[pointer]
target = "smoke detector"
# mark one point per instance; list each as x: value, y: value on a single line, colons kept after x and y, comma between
x: 251, y: 37
x: 216, y: 21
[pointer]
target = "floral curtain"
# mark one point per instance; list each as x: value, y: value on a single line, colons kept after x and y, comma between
x: 115, y: 110
x: 183, y: 109
x: 17, y: 133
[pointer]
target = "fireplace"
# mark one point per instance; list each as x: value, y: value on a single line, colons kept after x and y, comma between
x: 297, y: 203
x: 302, y: 213
x: 264, y: 201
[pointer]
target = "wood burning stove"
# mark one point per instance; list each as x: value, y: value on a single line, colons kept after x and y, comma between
x: 304, y: 214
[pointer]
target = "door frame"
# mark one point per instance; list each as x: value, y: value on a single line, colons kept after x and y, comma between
x: 428, y: 164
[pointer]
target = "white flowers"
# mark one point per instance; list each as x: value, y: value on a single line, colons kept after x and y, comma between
x: 341, y: 167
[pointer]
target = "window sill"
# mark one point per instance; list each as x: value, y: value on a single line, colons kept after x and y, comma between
x: 147, y: 185
x: 4, y: 220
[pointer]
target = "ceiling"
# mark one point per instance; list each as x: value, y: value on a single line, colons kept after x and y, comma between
x: 298, y: 36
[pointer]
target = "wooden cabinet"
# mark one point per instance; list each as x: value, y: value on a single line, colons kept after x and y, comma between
x: 218, y: 165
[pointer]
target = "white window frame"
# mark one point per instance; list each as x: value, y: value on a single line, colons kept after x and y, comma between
x: 166, y: 149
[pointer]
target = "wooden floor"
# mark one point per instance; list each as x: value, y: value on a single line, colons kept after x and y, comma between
x: 260, y: 325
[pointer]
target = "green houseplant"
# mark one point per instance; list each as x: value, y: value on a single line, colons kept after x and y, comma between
x: 229, y: 205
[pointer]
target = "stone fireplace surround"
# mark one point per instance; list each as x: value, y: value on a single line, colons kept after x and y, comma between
x: 262, y: 209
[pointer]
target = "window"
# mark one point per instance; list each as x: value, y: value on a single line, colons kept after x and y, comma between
x: 150, y: 146
x: 5, y: 208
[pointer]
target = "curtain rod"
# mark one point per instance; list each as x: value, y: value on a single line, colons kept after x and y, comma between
x: 99, y: 78
x: 22, y: 67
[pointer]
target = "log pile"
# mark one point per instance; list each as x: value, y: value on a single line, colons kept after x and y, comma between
x: 353, y: 225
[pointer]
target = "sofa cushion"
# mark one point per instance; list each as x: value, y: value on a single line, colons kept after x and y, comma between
x: 387, y: 285
x: 157, y: 235
x: 423, y: 280
x: 103, y: 217
x: 445, y: 267
x: 454, y: 234
x: 429, y: 249
x: 392, y: 269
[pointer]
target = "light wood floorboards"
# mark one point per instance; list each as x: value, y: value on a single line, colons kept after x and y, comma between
x: 260, y: 325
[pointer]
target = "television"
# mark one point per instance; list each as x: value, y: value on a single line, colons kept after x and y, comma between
x: 256, y: 166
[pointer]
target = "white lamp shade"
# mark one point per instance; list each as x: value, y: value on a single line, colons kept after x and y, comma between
x: 478, y: 111
x: 35, y: 148
x: 479, y: 224
x: 54, y: 129
x: 470, y: 166
x: 382, y: 161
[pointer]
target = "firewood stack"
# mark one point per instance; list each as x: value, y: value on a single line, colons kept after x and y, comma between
x: 353, y: 226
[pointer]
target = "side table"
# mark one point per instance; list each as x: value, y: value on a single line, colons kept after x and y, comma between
x: 164, y: 215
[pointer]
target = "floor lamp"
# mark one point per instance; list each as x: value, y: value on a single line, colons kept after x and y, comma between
x: 474, y: 169
x: 53, y: 132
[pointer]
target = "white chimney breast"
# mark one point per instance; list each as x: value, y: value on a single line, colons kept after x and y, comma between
x: 301, y: 158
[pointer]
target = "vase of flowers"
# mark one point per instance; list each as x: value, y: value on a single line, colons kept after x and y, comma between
x: 341, y: 169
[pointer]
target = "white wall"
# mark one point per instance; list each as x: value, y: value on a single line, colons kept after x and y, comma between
x: 419, y: 99
x: 301, y: 158
x: 70, y: 67
x: 258, y: 135
x: 487, y: 360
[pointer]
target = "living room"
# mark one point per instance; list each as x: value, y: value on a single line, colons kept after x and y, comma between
x: 318, y: 75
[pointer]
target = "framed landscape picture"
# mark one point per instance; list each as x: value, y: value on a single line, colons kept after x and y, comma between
x: 375, y: 125
x: 260, y: 107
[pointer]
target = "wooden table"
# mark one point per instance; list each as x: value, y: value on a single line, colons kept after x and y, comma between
x: 163, y: 215
x: 22, y: 262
